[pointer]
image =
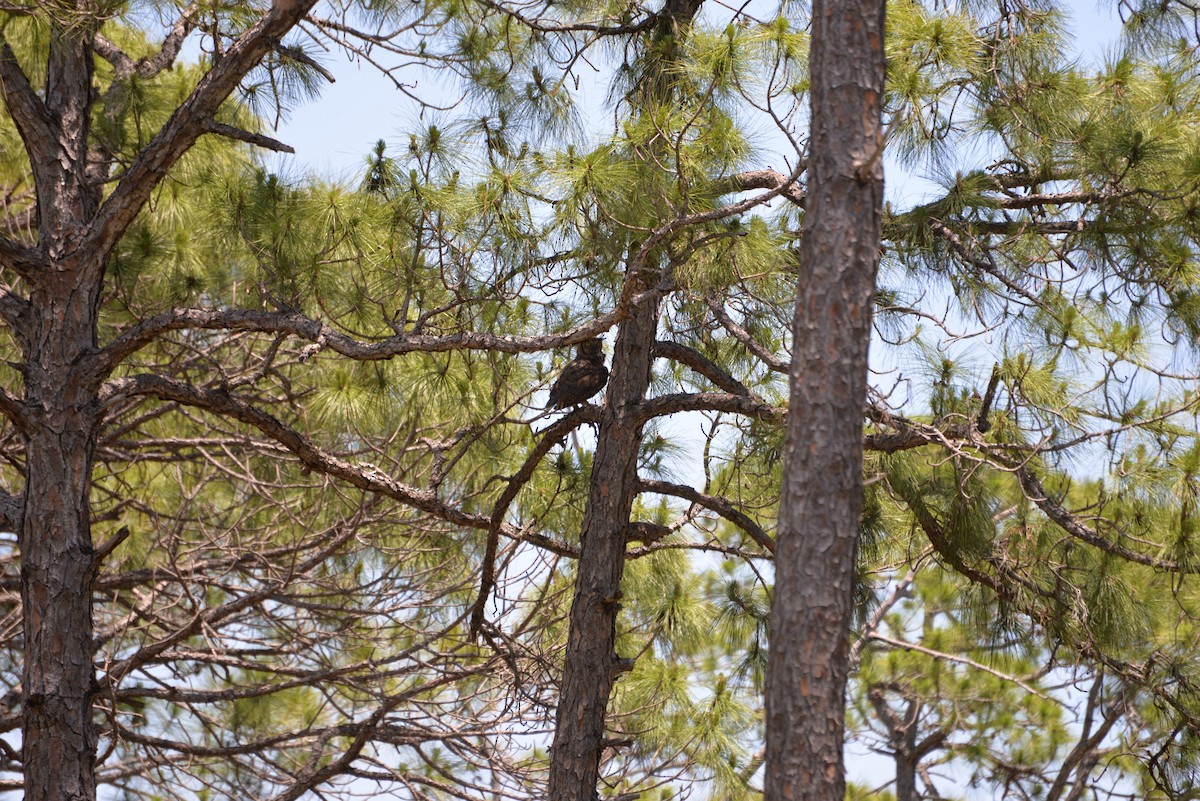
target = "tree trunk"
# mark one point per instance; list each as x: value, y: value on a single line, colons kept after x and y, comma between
x: 59, y: 739
x: 591, y: 661
x: 821, y: 498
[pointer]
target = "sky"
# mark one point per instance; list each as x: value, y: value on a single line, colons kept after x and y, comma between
x: 333, y: 133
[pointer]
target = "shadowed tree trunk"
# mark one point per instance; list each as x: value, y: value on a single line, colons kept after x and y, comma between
x: 59, y: 413
x: 822, y: 481
x: 592, y: 663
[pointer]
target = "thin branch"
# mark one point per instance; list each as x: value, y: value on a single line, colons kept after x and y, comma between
x: 1069, y: 523
x: 230, y: 132
x: 367, y: 478
x: 773, y: 363
x: 551, y: 436
x: 962, y: 660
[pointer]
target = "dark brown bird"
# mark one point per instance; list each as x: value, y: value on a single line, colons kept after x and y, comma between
x: 583, y: 377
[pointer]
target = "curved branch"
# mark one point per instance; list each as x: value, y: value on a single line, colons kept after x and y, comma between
x: 368, y: 478
x: 747, y: 405
x: 773, y: 363
x: 1064, y: 519
x: 697, y: 361
x: 550, y: 437
x: 712, y: 503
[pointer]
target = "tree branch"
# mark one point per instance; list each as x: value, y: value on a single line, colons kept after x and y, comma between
x: 1069, y: 523
x: 322, y: 336
x: 187, y: 123
x: 719, y: 506
x: 367, y: 478
x: 701, y: 364
x: 788, y: 187
x: 709, y: 402
x: 27, y: 109
x: 551, y: 436
x: 230, y: 132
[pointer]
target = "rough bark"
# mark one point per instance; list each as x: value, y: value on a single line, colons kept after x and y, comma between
x: 60, y: 413
x: 822, y: 486
x: 592, y: 663
x: 56, y: 550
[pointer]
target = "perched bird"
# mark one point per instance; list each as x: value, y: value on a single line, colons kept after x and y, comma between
x: 583, y: 377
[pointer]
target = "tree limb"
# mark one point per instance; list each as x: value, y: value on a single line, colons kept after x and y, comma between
x: 709, y: 402
x: 551, y: 436
x: 27, y: 109
x: 187, y: 124
x: 715, y: 504
x: 367, y: 478
x: 323, y: 336
x: 701, y: 364
x: 231, y: 132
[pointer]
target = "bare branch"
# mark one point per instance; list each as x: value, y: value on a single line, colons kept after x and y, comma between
x: 701, y: 364
x: 230, y: 132
x: 323, y: 336
x: 962, y: 660
x: 13, y: 409
x: 766, y: 179
x: 709, y: 402
x: 773, y: 363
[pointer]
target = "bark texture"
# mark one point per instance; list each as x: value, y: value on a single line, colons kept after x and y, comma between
x: 592, y: 663
x: 822, y: 484
x: 60, y: 412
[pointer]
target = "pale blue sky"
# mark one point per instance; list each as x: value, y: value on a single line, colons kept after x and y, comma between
x: 333, y: 133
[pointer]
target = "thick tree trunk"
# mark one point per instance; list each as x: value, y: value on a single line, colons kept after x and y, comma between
x: 591, y: 661
x: 56, y: 546
x: 822, y: 483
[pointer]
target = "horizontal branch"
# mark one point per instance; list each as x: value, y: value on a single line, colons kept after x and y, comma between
x: 788, y: 187
x: 21, y: 259
x: 323, y: 336
x: 746, y: 405
x: 548, y: 438
x: 773, y: 362
x: 1068, y: 522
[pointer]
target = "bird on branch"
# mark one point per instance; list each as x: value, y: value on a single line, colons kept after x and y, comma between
x: 583, y: 377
